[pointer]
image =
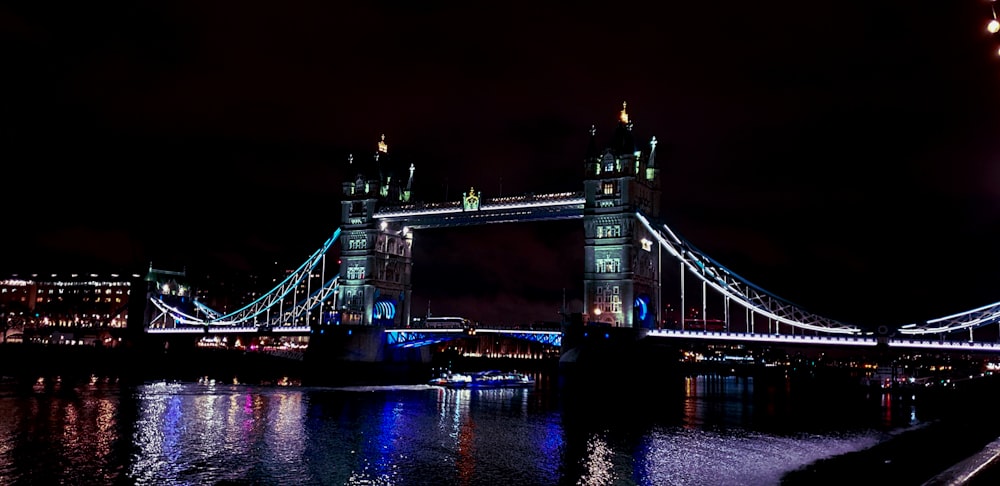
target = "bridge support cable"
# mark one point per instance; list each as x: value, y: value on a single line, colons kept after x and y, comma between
x: 178, y: 316
x: 305, y: 306
x: 982, y: 316
x: 739, y: 290
x: 210, y: 312
x: 277, y: 295
x: 758, y: 301
x: 248, y: 315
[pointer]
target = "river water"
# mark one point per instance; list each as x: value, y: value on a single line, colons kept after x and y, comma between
x: 674, y: 430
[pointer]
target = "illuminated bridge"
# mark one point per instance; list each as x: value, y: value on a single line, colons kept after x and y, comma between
x: 634, y: 262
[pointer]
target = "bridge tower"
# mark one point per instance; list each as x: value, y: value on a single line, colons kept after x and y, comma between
x: 621, y: 259
x: 376, y: 263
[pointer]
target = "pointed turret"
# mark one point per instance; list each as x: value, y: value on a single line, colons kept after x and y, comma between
x: 382, y: 169
x: 360, y: 180
x: 651, y: 160
x: 619, y: 155
x: 622, y: 142
x: 381, y: 178
x: 593, y: 150
x: 652, y: 171
x: 409, y: 185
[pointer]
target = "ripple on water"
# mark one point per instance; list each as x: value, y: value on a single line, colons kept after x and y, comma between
x: 680, y: 456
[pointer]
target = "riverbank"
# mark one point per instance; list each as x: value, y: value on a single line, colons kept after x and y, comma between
x: 925, y: 454
x: 27, y: 362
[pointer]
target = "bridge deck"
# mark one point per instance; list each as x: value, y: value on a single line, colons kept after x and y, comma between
x: 427, y: 336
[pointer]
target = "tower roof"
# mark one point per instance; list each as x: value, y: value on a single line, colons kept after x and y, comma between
x: 394, y: 178
x: 622, y: 142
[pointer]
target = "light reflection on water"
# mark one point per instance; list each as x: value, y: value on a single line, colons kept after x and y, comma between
x: 714, y: 430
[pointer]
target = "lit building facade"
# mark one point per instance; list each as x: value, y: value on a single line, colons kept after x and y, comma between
x: 38, y: 305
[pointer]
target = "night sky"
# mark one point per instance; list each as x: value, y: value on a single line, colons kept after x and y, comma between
x: 844, y: 156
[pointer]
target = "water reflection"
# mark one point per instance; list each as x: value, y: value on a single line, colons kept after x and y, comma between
x: 51, y: 425
x: 195, y: 433
x: 670, y: 430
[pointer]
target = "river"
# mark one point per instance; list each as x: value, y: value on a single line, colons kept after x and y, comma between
x: 704, y: 429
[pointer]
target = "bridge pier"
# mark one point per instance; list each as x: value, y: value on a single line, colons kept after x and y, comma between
x: 619, y: 351
x: 361, y: 355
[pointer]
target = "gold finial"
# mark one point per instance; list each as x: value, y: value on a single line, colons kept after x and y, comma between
x: 472, y: 192
x: 623, y: 116
x: 382, y: 147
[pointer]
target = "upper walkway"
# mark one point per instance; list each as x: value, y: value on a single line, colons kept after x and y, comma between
x: 541, y: 207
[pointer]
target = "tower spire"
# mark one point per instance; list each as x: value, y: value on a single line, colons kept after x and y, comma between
x: 623, y: 115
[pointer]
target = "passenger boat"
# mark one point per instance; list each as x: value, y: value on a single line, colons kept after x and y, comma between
x: 483, y: 379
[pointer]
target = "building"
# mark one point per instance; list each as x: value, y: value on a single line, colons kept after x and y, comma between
x: 69, y: 308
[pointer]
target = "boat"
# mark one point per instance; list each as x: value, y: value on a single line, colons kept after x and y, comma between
x: 483, y: 379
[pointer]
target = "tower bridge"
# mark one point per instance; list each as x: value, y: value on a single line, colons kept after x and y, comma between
x: 626, y: 247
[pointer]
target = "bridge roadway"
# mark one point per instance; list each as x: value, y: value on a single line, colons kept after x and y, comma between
x: 412, y: 337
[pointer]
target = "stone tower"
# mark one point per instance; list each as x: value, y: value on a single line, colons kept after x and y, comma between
x: 375, y: 259
x: 621, y: 259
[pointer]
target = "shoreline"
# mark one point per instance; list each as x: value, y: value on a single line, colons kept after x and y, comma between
x: 958, y: 448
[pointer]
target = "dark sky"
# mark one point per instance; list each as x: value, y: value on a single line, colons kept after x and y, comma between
x: 842, y: 155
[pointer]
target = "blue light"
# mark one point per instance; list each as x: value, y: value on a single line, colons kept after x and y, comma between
x: 640, y: 303
x: 384, y: 309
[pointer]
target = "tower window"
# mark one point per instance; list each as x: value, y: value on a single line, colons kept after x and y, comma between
x: 608, y: 265
x: 609, y: 231
x: 357, y: 243
x: 356, y: 272
x: 609, y: 188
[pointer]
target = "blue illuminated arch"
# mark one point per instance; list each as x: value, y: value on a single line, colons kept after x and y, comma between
x: 640, y: 311
x: 384, y: 309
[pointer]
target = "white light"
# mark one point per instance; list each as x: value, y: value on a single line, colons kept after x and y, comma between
x: 993, y: 26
